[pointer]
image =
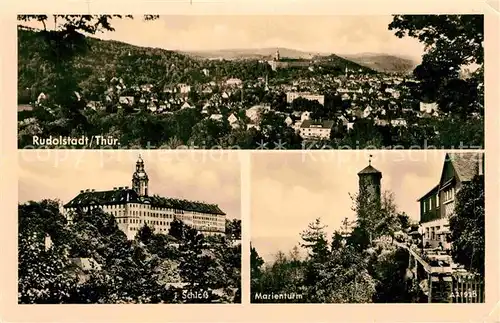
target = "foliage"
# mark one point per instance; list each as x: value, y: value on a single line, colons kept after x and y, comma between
x: 233, y: 229
x: 121, y: 271
x: 451, y: 42
x: 352, y: 267
x: 467, y: 226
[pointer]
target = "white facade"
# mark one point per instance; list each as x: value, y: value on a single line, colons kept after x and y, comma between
x: 134, y: 208
x: 132, y: 216
x: 290, y: 96
x: 315, y: 133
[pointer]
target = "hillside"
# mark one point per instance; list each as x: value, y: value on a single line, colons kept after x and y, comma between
x: 383, y: 62
x: 103, y: 61
x: 250, y: 53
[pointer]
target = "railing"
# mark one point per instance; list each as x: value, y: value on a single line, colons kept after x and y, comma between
x: 467, y: 288
x: 426, y: 262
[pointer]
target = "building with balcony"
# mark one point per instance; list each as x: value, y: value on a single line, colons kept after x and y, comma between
x: 438, y: 204
x: 134, y: 207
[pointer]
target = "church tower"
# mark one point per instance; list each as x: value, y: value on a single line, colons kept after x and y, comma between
x: 277, y: 55
x: 140, y: 179
x: 369, y: 183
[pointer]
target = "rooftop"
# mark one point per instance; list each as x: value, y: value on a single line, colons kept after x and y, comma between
x: 125, y: 195
x: 369, y: 170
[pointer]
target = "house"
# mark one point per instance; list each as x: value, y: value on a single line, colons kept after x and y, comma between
x: 381, y: 122
x: 217, y: 117
x: 438, y: 204
x: 288, y: 121
x: 186, y: 106
x: 234, y: 82
x: 126, y: 100
x: 184, y: 88
x: 205, y: 108
x: 343, y: 119
x: 399, y: 122
x: 253, y: 125
x: 306, y: 115
x: 428, y: 107
x: 41, y: 97
x: 345, y: 96
x: 152, y: 106
x: 310, y: 129
x: 367, y: 111
x: 95, y: 105
x: 232, y: 119
x: 290, y: 96
x: 254, y: 113
x: 206, y: 72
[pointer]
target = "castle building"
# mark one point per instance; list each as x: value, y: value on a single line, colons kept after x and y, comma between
x: 438, y: 204
x: 369, y: 183
x: 134, y: 207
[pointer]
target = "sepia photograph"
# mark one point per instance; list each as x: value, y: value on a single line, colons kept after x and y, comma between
x: 128, y: 227
x: 368, y: 227
x: 251, y: 81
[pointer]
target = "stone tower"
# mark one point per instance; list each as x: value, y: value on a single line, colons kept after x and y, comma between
x: 140, y: 179
x: 369, y: 183
x: 277, y: 55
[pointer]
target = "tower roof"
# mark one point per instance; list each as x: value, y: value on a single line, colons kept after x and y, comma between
x: 369, y: 170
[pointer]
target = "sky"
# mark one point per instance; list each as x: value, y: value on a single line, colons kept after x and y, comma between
x: 210, y: 177
x: 341, y: 34
x: 284, y: 201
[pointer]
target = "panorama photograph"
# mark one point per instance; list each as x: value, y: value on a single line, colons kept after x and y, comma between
x: 250, y: 82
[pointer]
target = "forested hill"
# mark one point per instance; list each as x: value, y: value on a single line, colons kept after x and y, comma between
x: 136, y: 65
x: 105, y: 59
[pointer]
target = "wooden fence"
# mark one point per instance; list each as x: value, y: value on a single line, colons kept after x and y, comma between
x: 467, y: 288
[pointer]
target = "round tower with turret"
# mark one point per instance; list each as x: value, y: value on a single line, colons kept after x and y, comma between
x: 369, y: 183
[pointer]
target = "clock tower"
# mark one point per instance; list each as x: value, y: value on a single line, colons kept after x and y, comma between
x: 140, y: 179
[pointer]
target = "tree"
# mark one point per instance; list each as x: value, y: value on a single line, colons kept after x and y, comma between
x: 43, y: 273
x: 315, y: 241
x: 451, y: 42
x: 233, y: 229
x: 177, y: 229
x: 467, y: 226
x: 404, y: 220
x: 58, y: 49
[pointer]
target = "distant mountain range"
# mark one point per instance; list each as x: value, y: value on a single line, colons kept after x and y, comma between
x: 378, y: 62
x: 383, y: 62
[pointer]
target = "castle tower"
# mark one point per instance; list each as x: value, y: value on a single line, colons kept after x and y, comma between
x: 369, y: 183
x: 140, y: 179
